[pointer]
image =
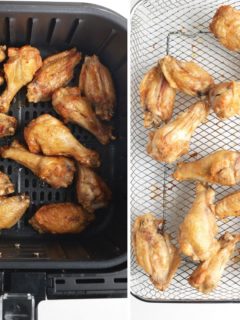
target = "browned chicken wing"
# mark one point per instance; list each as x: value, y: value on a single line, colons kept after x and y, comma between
x: 228, y: 206
x: 8, y: 125
x: 220, y: 167
x: 92, y: 191
x: 186, y: 76
x: 3, y: 55
x: 154, y: 251
x: 61, y: 218
x: 56, y: 171
x: 157, y: 98
x: 56, y: 72
x: 19, y: 70
x: 226, y: 27
x: 96, y: 84
x: 6, y: 186
x: 49, y: 135
x: 171, y: 141
x: 73, y: 108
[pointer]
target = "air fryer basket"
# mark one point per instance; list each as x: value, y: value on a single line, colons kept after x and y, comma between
x: 160, y: 27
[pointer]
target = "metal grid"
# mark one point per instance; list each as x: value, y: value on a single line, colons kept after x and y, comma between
x: 179, y: 29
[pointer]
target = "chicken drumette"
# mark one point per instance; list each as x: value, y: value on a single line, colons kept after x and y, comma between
x: 8, y: 125
x: 228, y: 206
x: 6, y: 186
x: 73, y: 108
x: 171, y: 141
x: 49, y: 135
x: 56, y: 72
x: 153, y: 250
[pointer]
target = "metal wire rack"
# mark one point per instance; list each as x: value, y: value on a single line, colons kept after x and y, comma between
x: 179, y: 28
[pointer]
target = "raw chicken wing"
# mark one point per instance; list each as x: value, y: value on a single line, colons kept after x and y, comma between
x: 8, y: 125
x: 228, y: 206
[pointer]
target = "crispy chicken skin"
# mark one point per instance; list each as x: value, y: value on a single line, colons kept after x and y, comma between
x: 199, y: 228
x: 96, y: 84
x: 56, y: 72
x: 6, y: 186
x: 208, y: 274
x: 19, y: 70
x: 61, y: 218
x: 220, y: 167
x: 8, y: 125
x: 48, y: 135
x: 186, y: 76
x: 172, y: 140
x: 154, y: 251
x: 92, y: 191
x: 228, y: 206
x: 225, y: 99
x: 68, y: 103
x: 12, y: 209
x: 226, y: 27
x: 56, y: 171
x: 157, y: 98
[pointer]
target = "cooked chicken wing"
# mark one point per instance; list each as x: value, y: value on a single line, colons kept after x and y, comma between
x: 3, y: 55
x: 171, y: 141
x: 73, y: 108
x: 220, y: 167
x: 226, y: 27
x: 56, y: 72
x: 186, y: 76
x: 199, y: 228
x: 228, y: 206
x: 208, y: 274
x: 19, y: 70
x: 97, y: 85
x: 12, y: 209
x: 49, y: 135
x: 6, y: 186
x: 157, y: 98
x: 56, y: 171
x: 154, y: 251
x: 61, y: 218
x: 92, y: 191
x: 225, y: 99
x: 8, y: 125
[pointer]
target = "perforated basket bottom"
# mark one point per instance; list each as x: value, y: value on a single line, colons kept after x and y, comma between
x: 181, y: 30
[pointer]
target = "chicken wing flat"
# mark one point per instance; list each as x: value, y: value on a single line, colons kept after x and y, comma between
x: 56, y: 72
x: 8, y: 125
x: 172, y: 141
x: 56, y: 171
x: 96, y: 84
x: 186, y: 76
x: 225, y: 99
x: 225, y: 27
x: 92, y: 191
x: 6, y: 186
x: 19, y: 70
x: 154, y: 251
x: 199, y: 228
x: 228, y: 206
x: 49, y: 135
x: 157, y: 98
x: 61, y: 218
x: 12, y: 209
x: 208, y: 274
x: 73, y: 108
x: 220, y: 167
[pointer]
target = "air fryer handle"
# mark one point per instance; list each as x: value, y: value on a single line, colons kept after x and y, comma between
x: 16, y: 306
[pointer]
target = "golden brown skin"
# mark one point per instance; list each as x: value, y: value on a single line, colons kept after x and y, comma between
x: 61, y: 218
x: 208, y: 274
x: 19, y: 70
x: 186, y: 76
x: 76, y: 109
x: 56, y: 171
x: 96, y: 84
x: 8, y: 125
x: 172, y: 140
x: 48, y: 135
x: 199, y: 228
x: 228, y: 206
x: 157, y: 98
x: 12, y: 209
x: 154, y: 252
x: 3, y: 55
x: 92, y: 191
x: 56, y: 72
x: 226, y: 27
x: 6, y: 186
x: 225, y: 99
x: 220, y: 167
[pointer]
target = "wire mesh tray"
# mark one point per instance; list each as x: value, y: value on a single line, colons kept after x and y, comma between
x: 179, y: 29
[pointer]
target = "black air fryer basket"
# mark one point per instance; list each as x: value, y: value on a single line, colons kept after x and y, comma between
x: 92, y: 263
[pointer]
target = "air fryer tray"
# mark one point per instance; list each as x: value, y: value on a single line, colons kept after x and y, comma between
x: 180, y: 29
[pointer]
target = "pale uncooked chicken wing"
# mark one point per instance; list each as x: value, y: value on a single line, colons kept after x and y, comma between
x: 228, y: 206
x: 8, y: 125
x: 6, y: 186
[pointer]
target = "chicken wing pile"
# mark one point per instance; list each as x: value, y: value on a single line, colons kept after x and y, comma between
x: 51, y: 151
x: 198, y: 235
